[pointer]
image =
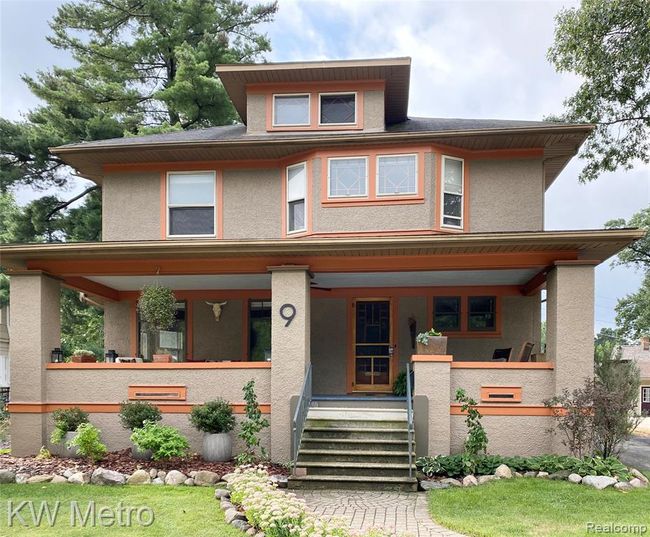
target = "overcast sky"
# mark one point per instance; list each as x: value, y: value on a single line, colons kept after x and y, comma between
x: 470, y: 59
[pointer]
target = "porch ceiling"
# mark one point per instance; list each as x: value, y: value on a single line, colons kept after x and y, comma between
x: 332, y: 280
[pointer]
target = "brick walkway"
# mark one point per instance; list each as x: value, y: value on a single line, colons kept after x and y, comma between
x: 404, y: 512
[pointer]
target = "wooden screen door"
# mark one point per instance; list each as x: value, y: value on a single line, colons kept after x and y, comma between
x: 373, y: 345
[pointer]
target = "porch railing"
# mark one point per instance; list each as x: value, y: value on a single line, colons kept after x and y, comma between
x: 299, y: 417
x: 409, y: 414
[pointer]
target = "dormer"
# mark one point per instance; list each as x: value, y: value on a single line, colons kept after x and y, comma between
x: 322, y: 96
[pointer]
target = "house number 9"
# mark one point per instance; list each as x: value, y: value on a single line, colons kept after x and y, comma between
x: 288, y: 313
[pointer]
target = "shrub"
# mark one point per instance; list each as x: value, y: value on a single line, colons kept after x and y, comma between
x: 399, y: 386
x: 164, y: 441
x: 83, y: 352
x: 66, y: 420
x: 477, y: 440
x: 251, y: 427
x: 88, y: 442
x: 133, y: 414
x: 423, y: 337
x: 157, y: 306
x: 213, y: 417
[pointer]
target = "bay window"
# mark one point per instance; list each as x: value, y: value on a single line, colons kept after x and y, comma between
x: 347, y: 177
x: 397, y: 175
x: 452, y: 192
x: 191, y: 204
x: 296, y: 197
x: 291, y: 110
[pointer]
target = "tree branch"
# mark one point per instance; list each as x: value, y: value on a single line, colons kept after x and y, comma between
x: 70, y: 201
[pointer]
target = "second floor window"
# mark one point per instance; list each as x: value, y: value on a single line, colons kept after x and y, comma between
x: 296, y: 197
x: 347, y: 177
x: 191, y: 204
x: 452, y: 192
x: 291, y: 110
x: 338, y: 108
x: 396, y: 175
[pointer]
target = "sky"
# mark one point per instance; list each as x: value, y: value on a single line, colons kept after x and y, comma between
x: 481, y: 59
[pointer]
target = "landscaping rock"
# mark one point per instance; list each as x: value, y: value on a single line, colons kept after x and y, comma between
x: 175, y: 478
x: 503, y: 472
x: 431, y: 485
x: 543, y: 475
x: 226, y: 504
x: 139, y: 477
x: 45, y: 478
x: 153, y: 473
x: 623, y: 486
x: 574, y: 478
x: 205, y: 478
x: 79, y: 478
x: 7, y: 476
x: 240, y: 524
x: 221, y: 493
x: 189, y: 482
x: 157, y: 481
x: 162, y: 474
x: 486, y: 478
x: 21, y: 479
x: 232, y: 514
x: 599, y: 482
x: 635, y: 482
x: 452, y: 482
x: 59, y: 479
x: 518, y: 474
x: 530, y: 474
x: 251, y: 531
x: 279, y: 480
x: 68, y: 473
x: 102, y: 476
x: 562, y: 475
x: 469, y: 481
x: 638, y: 475
x: 227, y: 477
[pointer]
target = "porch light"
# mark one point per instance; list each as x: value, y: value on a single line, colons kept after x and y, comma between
x: 56, y: 356
x: 110, y: 356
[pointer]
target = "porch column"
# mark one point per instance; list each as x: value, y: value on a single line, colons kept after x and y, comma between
x: 35, y: 331
x: 290, y: 348
x: 570, y: 323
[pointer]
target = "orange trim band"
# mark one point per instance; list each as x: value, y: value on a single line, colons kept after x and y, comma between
x: 163, y: 365
x: 114, y: 408
x: 505, y: 410
x: 503, y: 365
x: 432, y: 358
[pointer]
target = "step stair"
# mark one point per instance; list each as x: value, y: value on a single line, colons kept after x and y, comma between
x: 357, y: 447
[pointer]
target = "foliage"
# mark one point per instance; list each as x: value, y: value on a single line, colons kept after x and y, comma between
x: 134, y: 414
x: 607, y: 45
x: 164, y: 441
x: 213, y: 417
x: 43, y: 454
x: 66, y: 420
x: 251, y: 426
x: 88, y: 442
x: 636, y: 254
x: 399, y: 386
x: 633, y: 312
x: 460, y: 465
x: 82, y: 325
x: 157, y: 305
x: 476, y: 441
x: 83, y: 352
x: 423, y: 337
x: 574, y: 418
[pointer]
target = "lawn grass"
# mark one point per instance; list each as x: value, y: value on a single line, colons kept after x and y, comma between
x: 178, y: 511
x: 536, y: 507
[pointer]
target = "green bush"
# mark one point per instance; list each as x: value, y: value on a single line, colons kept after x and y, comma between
x: 88, y: 442
x: 399, y: 386
x: 67, y: 420
x: 164, y: 441
x: 251, y: 427
x: 462, y: 464
x: 157, y: 306
x: 133, y: 414
x: 213, y: 417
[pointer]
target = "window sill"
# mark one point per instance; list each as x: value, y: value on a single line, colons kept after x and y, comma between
x: 384, y: 200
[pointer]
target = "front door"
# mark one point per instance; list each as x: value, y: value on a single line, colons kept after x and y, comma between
x: 373, y: 345
x: 645, y: 399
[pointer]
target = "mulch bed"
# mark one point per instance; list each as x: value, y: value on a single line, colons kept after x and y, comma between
x: 120, y: 461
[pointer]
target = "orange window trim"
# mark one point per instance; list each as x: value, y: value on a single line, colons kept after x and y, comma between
x: 464, y: 293
x: 501, y: 394
x: 438, y: 208
x: 114, y: 408
x: 284, y: 178
x: 171, y: 392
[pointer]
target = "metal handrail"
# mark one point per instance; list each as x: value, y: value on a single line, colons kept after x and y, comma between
x: 409, y: 415
x: 300, y: 416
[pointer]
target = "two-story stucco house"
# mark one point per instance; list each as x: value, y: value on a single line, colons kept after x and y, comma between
x: 334, y: 228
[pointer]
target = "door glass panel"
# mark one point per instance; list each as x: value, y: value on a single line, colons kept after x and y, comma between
x: 363, y: 371
x: 171, y: 341
x: 381, y: 371
x: 372, y: 344
x: 259, y: 335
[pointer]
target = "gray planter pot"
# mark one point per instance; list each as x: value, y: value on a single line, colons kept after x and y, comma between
x: 65, y: 451
x: 217, y: 447
x: 141, y: 455
x: 437, y: 345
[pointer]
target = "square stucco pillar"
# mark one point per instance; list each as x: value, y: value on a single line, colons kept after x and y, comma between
x: 290, y: 348
x: 433, y: 381
x: 570, y: 323
x: 35, y: 331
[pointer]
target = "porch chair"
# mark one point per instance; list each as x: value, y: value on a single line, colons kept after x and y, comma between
x: 525, y: 352
x: 502, y: 355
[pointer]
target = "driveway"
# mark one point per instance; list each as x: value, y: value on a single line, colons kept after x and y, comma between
x: 636, y: 452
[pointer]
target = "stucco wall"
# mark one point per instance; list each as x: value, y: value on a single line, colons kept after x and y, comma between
x: 217, y: 340
x: 409, y: 306
x: 252, y: 207
x: 373, y: 110
x: 131, y: 206
x: 506, y: 195
x: 372, y: 217
x: 329, y: 345
x: 537, y: 384
x: 255, y: 113
x: 117, y: 327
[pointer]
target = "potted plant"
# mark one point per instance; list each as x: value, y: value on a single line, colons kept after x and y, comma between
x: 133, y: 415
x: 83, y: 356
x: 431, y: 342
x: 157, y: 307
x: 216, y: 420
x: 66, y: 422
x: 165, y: 442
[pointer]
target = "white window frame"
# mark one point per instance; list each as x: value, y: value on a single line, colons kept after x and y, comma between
x: 442, y: 194
x: 173, y: 205
x: 645, y: 394
x: 356, y: 108
x: 405, y: 194
x: 288, y: 201
x: 308, y: 124
x: 329, y: 176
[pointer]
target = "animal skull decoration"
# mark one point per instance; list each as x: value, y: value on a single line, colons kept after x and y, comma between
x: 216, y: 309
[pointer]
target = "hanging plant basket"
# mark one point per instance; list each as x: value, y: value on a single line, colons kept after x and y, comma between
x: 157, y: 306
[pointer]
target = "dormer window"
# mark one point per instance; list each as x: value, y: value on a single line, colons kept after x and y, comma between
x: 291, y: 110
x: 338, y: 108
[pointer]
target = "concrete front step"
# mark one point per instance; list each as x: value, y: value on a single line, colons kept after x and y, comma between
x: 379, y: 401
x: 363, y: 468
x: 353, y: 444
x: 357, y: 414
x: 354, y: 482
x: 352, y: 455
x: 368, y: 433
x: 349, y: 423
